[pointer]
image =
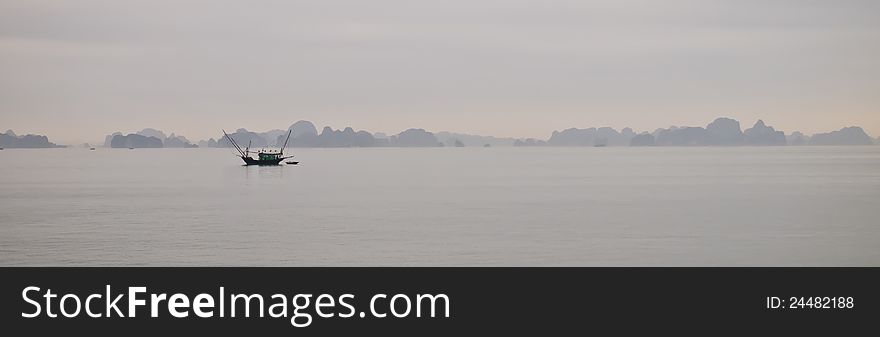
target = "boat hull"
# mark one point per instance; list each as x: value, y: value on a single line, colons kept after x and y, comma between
x: 265, y: 162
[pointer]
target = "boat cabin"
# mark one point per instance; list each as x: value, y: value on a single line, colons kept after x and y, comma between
x: 268, y: 155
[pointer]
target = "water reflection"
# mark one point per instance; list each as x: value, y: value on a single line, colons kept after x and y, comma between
x: 263, y: 172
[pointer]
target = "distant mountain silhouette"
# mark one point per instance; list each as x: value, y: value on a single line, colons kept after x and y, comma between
x: 208, y: 143
x: 109, y: 137
x: 449, y: 139
x: 797, y: 139
x: 167, y: 141
x: 149, y: 132
x: 178, y: 141
x: 852, y: 135
x: 529, y: 142
x: 761, y: 134
x: 644, y: 139
x: 243, y: 137
x: 415, y: 138
x: 345, y: 138
x: 302, y: 134
x: 591, y: 137
x: 134, y: 140
x: 302, y: 129
x: 271, y: 135
x: 10, y: 140
x: 676, y: 136
x: 722, y: 131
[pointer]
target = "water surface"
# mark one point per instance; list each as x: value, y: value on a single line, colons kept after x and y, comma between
x: 742, y: 206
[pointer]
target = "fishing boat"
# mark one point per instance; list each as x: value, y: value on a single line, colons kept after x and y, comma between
x: 265, y: 157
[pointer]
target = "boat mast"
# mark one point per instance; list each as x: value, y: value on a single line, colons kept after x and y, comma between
x: 285, y: 142
x: 232, y: 141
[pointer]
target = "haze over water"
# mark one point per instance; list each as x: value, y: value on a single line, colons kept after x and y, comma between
x: 738, y: 206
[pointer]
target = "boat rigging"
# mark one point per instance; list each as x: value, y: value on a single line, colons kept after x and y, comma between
x: 265, y: 157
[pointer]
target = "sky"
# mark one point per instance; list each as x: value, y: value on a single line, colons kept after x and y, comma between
x: 78, y: 70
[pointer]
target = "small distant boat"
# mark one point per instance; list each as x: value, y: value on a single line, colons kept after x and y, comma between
x: 131, y: 148
x: 1, y: 149
x: 265, y: 157
x: 91, y: 149
x: 291, y: 162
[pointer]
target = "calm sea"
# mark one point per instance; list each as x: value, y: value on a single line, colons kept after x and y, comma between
x: 742, y: 206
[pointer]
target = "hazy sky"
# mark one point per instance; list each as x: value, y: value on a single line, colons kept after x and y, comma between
x: 77, y: 70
